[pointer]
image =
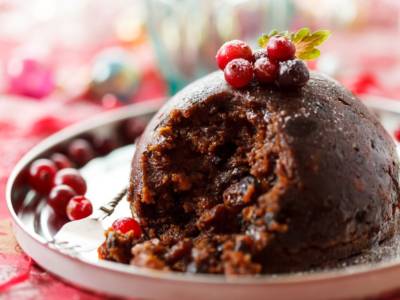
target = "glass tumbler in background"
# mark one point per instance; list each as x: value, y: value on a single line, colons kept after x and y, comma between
x: 187, y: 33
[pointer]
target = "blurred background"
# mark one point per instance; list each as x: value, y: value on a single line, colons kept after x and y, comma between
x: 63, y: 61
x: 117, y: 52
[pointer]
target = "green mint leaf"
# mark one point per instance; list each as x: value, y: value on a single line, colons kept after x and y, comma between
x: 318, y: 37
x: 300, y: 34
x: 309, y: 55
x: 306, y: 43
x: 273, y: 32
x: 263, y: 40
x: 285, y: 34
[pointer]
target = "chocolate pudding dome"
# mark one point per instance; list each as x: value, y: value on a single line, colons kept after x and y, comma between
x: 259, y: 177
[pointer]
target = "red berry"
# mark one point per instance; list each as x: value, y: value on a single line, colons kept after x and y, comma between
x: 397, y: 134
x: 231, y: 50
x: 72, y: 178
x: 41, y: 175
x: 124, y: 225
x: 293, y: 74
x: 131, y: 129
x: 280, y: 48
x: 59, y: 197
x: 61, y: 161
x: 259, y: 53
x: 78, y: 208
x: 80, y: 151
x: 265, y: 71
x: 104, y: 144
x: 238, y: 73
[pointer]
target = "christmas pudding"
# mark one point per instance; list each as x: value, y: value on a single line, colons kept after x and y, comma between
x: 278, y: 171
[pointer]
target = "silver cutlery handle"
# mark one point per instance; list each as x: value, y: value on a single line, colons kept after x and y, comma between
x: 109, y: 208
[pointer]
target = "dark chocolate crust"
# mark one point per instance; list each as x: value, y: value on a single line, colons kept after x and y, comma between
x: 262, y: 180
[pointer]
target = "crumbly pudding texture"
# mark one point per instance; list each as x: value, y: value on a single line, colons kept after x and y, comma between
x: 258, y: 180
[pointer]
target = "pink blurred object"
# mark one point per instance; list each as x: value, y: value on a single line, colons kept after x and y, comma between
x: 29, y: 77
x: 46, y: 125
x: 364, y: 83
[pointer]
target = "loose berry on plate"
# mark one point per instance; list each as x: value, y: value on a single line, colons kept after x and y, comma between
x: 131, y: 129
x: 41, y: 175
x: 280, y: 48
x: 265, y: 70
x: 80, y: 151
x: 397, y: 135
x: 79, y: 207
x: 104, y: 144
x: 238, y: 72
x: 72, y: 178
x: 232, y: 50
x: 59, y: 197
x: 293, y: 73
x: 61, y: 161
x: 124, y: 225
x: 259, y: 53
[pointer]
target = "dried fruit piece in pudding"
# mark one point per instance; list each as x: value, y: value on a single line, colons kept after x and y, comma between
x: 59, y: 197
x: 232, y: 50
x: 72, y: 178
x: 41, y: 175
x: 79, y: 207
x: 124, y: 225
x: 238, y: 72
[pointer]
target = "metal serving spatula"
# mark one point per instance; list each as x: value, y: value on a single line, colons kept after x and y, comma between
x: 87, y: 234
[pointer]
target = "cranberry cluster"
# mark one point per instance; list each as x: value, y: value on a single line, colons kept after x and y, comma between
x: 57, y: 178
x: 274, y: 64
x: 63, y: 185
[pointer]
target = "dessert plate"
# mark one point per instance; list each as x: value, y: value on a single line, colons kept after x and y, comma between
x: 369, y: 274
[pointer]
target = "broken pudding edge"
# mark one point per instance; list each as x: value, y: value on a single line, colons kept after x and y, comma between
x: 258, y: 180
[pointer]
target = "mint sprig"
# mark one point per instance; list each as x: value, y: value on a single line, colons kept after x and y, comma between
x: 305, y: 41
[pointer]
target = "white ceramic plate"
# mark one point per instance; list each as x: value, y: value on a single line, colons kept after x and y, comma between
x: 34, y: 224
